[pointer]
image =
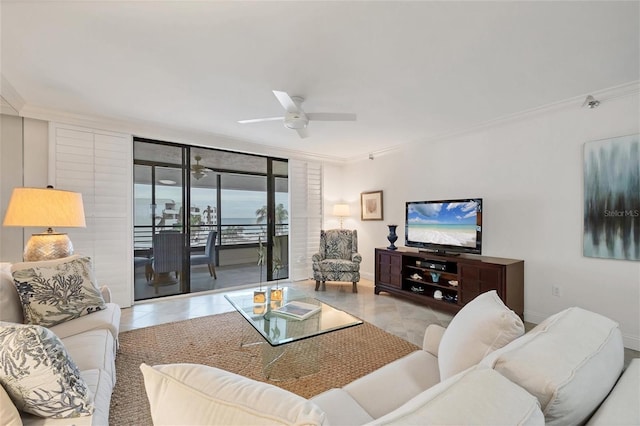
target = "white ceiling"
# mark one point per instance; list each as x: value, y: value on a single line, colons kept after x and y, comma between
x: 410, y: 70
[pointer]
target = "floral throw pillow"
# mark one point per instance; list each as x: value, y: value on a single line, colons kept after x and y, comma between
x: 57, y: 292
x: 38, y: 374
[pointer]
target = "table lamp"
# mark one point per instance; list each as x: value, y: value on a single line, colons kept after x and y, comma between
x: 46, y: 207
x: 341, y: 210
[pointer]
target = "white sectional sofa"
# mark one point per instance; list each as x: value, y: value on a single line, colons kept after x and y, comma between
x: 90, y: 341
x: 559, y: 373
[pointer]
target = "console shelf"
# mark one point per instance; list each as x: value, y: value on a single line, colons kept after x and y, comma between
x: 397, y: 272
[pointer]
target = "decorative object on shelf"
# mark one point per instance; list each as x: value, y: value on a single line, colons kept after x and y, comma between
x: 435, y: 277
x: 418, y: 263
x: 46, y: 207
x: 453, y: 298
x: 453, y: 283
x: 341, y: 211
x: 611, y: 198
x: 437, y: 295
x: 392, y: 237
x: 371, y: 205
x: 417, y: 289
x: 416, y: 277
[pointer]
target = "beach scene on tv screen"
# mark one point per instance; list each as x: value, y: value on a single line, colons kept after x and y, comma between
x: 452, y: 224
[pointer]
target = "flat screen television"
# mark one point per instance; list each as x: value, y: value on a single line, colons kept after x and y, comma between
x: 445, y: 226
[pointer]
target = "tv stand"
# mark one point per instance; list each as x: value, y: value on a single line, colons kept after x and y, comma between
x: 417, y: 275
x: 438, y: 252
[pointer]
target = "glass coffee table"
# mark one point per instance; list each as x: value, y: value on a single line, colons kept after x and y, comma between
x: 291, y: 349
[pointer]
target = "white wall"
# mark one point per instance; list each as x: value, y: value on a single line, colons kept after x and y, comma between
x: 23, y: 162
x: 529, y: 172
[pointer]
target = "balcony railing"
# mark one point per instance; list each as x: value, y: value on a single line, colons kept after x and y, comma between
x: 230, y: 235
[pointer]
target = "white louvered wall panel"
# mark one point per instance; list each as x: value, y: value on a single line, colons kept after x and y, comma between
x: 99, y: 165
x: 306, y: 216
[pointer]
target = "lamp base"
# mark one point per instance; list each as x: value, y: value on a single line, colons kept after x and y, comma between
x: 47, y: 246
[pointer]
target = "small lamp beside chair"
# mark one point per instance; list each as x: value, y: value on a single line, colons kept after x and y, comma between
x: 342, y: 211
x: 46, y: 207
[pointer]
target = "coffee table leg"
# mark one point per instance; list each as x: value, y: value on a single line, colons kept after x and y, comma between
x: 291, y: 360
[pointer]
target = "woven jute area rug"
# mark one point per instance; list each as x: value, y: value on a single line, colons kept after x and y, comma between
x: 340, y: 356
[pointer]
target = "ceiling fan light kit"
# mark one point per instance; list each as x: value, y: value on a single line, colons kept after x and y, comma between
x: 296, y: 118
x: 198, y: 171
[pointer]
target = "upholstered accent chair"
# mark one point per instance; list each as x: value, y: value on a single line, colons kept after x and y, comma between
x: 168, y: 247
x: 209, y: 256
x: 338, y: 258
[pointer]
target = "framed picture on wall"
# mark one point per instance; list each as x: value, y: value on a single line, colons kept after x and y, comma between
x: 371, y: 205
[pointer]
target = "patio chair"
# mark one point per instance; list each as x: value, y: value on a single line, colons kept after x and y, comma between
x: 167, y: 257
x: 209, y: 256
x: 338, y: 258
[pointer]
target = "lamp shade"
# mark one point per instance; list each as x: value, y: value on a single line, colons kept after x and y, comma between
x: 45, y: 207
x: 341, y: 210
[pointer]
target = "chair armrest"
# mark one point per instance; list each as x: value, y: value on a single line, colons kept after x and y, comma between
x: 356, y: 257
x: 106, y: 293
x: 432, y: 336
x: 317, y: 257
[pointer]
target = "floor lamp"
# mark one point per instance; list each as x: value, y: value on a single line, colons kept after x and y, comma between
x: 342, y: 211
x: 46, y: 207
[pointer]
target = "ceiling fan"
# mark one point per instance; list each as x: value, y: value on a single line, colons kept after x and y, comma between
x: 198, y: 170
x: 295, y: 117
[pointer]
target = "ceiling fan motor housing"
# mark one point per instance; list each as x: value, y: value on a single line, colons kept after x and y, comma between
x: 295, y: 120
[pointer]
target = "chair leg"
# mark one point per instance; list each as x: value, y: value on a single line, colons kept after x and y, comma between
x: 212, y: 271
x: 324, y: 286
x: 317, y: 285
x: 354, y: 288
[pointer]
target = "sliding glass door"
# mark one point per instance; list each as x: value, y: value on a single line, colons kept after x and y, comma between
x: 238, y: 206
x: 159, y: 231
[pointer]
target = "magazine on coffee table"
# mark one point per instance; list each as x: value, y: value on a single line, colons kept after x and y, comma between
x: 297, y: 310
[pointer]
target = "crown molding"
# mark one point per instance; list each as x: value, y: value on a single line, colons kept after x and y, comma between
x: 10, y: 95
x: 604, y: 95
x: 150, y: 130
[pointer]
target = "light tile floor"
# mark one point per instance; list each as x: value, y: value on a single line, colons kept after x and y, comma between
x: 393, y: 314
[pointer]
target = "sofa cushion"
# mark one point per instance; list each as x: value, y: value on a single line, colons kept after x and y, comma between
x: 482, y: 326
x: 106, y: 319
x: 9, y: 415
x: 10, y: 307
x: 477, y: 396
x: 91, y: 350
x: 570, y: 362
x: 55, y: 291
x: 622, y: 406
x: 38, y: 374
x: 196, y: 394
x: 407, y: 376
x: 341, y: 408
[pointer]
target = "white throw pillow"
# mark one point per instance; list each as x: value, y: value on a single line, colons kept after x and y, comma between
x: 38, y: 374
x: 482, y: 326
x: 55, y: 291
x: 191, y: 394
x: 570, y: 362
x: 477, y: 396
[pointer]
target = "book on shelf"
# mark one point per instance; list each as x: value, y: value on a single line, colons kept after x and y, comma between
x: 297, y: 310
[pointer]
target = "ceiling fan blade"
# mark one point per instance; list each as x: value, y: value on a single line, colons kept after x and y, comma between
x: 260, y: 120
x: 330, y: 116
x: 302, y: 133
x: 286, y: 101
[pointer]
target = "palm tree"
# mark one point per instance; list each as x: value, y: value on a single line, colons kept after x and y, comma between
x: 281, y: 214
